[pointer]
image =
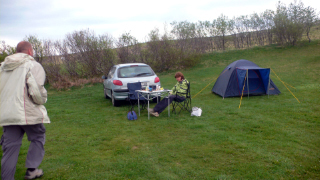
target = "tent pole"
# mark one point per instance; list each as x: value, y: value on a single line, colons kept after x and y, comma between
x: 248, y: 82
x: 269, y: 85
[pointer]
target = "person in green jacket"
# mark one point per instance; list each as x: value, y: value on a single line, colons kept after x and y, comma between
x: 180, y: 88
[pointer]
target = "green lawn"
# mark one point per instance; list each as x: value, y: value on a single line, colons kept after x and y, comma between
x: 267, y: 138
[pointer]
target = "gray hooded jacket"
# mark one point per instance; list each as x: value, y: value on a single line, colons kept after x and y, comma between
x: 22, y: 92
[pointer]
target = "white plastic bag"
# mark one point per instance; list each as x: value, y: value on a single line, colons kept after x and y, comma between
x: 196, y: 111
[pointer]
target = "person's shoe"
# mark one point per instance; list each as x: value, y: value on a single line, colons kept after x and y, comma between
x: 156, y: 114
x: 33, y: 174
x: 150, y: 110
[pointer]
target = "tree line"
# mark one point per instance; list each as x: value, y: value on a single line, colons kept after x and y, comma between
x: 83, y: 54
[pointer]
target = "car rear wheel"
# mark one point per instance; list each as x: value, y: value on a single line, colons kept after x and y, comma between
x: 115, y: 102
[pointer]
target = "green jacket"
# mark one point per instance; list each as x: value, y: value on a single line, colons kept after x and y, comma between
x: 181, y: 87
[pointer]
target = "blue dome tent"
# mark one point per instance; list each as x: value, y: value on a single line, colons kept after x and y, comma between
x: 244, y: 78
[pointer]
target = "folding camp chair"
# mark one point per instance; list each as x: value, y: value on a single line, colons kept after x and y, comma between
x: 183, y: 104
x: 133, y: 95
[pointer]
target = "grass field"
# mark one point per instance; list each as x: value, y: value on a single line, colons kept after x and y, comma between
x: 267, y: 138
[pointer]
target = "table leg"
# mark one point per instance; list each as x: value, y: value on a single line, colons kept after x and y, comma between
x: 148, y: 107
x: 168, y: 105
x: 138, y: 104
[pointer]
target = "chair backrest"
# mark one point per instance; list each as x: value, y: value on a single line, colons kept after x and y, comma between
x: 187, y: 94
x: 184, y: 104
x: 188, y: 91
x: 132, y: 87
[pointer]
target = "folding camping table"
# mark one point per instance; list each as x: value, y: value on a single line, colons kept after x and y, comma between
x: 149, y: 95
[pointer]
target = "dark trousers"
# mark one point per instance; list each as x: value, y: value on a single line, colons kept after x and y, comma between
x: 11, y: 141
x: 164, y: 102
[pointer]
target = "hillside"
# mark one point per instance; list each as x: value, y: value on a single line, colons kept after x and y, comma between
x: 267, y: 138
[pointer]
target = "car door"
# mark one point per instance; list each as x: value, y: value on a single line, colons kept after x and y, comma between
x: 109, y: 82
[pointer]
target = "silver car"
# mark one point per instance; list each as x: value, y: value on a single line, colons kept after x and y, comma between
x: 115, y: 84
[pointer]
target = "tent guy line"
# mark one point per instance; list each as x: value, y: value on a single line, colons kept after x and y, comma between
x: 207, y: 85
x: 285, y: 85
x: 284, y: 82
x: 203, y: 88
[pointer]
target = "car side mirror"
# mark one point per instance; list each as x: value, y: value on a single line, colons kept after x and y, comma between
x: 104, y: 77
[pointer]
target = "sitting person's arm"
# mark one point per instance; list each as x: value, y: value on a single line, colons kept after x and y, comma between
x: 174, y: 89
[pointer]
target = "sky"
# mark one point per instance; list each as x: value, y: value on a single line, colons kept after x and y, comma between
x: 54, y: 19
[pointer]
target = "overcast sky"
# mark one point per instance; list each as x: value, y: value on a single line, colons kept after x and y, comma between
x: 53, y: 19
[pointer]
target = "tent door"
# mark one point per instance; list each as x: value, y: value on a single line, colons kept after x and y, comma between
x: 257, y: 81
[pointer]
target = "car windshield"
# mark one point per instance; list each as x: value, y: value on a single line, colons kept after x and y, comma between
x: 135, y: 71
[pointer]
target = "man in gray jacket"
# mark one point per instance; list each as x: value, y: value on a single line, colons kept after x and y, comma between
x: 22, y: 95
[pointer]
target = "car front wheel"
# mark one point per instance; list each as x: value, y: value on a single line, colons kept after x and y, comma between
x: 115, y: 102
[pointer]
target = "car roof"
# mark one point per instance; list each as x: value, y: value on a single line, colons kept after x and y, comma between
x: 130, y: 64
